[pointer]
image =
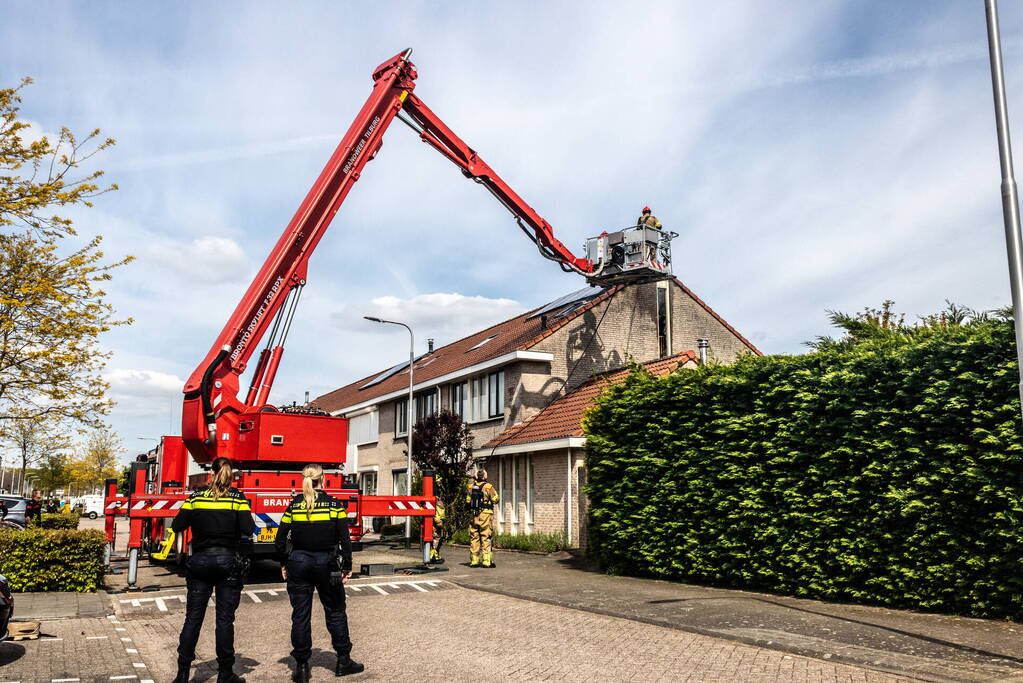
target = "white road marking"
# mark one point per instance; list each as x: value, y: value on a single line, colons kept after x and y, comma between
x: 134, y: 652
x: 252, y: 594
x: 415, y: 584
x: 123, y: 678
x: 64, y: 680
x: 138, y: 665
x: 120, y: 629
x: 126, y: 639
x: 160, y: 602
x: 355, y: 588
x: 96, y: 637
x: 378, y: 588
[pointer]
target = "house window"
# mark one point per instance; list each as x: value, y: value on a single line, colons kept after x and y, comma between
x: 363, y: 429
x: 495, y: 394
x: 663, y: 323
x: 514, y: 463
x: 401, y: 417
x: 486, y: 396
x: 426, y: 404
x: 368, y: 483
x: 399, y: 480
x: 460, y: 399
x: 529, y: 490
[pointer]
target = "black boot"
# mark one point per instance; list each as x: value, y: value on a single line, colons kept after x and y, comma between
x: 229, y: 677
x: 183, y: 671
x: 346, y: 665
x: 301, y: 674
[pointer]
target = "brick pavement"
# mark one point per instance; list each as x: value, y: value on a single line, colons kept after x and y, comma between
x: 72, y: 650
x: 470, y: 634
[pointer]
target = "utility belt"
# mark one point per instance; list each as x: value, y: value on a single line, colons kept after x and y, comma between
x: 215, y: 550
x: 238, y: 573
x: 487, y: 507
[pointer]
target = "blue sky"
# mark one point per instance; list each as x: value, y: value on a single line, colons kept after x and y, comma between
x: 812, y: 154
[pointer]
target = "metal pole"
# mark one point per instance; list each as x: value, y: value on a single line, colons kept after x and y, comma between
x: 1010, y: 200
x: 408, y: 467
x: 408, y: 417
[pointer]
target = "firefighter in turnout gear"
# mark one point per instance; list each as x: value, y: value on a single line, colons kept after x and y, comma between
x: 438, y: 525
x: 482, y: 497
x: 219, y: 516
x: 648, y: 219
x: 438, y: 522
x: 320, y: 560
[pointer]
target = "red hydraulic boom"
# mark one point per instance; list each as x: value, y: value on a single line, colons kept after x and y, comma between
x: 216, y: 421
x: 269, y: 445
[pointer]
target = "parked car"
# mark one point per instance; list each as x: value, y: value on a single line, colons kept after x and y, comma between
x: 15, y: 508
x: 6, y: 606
x: 90, y: 506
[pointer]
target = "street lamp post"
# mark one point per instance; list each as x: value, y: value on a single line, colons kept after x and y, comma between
x: 1010, y: 202
x: 408, y: 419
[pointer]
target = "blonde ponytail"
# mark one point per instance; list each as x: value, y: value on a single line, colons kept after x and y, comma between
x: 312, y: 476
x: 222, y: 476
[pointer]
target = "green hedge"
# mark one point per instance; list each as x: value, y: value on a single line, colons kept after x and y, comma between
x: 52, y: 559
x: 885, y: 471
x: 58, y: 521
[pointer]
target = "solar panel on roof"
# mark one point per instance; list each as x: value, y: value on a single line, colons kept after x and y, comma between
x: 473, y: 348
x: 385, y: 374
x: 570, y: 302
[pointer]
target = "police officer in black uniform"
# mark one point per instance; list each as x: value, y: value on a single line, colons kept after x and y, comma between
x: 320, y: 560
x: 219, y: 516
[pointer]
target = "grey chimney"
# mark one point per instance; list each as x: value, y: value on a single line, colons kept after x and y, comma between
x: 429, y: 345
x: 702, y: 346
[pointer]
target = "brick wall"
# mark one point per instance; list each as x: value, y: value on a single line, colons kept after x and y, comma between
x: 549, y: 482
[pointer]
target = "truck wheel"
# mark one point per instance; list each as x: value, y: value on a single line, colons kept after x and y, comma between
x: 93, y: 515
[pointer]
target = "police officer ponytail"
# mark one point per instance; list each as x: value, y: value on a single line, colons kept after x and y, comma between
x: 312, y: 475
x: 222, y: 476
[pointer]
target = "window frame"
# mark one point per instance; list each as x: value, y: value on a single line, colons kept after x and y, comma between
x: 401, y: 417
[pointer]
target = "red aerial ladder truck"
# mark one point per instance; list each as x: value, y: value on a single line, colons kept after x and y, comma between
x: 270, y: 445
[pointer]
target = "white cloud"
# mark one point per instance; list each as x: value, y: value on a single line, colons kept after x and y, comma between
x: 144, y: 392
x: 442, y: 316
x: 208, y: 259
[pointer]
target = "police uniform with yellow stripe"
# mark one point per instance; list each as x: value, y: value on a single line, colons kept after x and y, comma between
x: 320, y: 546
x: 218, y: 525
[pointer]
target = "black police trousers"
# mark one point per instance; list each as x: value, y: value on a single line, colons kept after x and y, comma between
x: 208, y: 571
x: 307, y: 571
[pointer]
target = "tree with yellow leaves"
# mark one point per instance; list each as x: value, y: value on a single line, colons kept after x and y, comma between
x: 52, y: 303
x: 96, y: 461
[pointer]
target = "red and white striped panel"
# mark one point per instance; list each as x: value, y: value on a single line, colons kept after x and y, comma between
x: 158, y: 505
x: 409, y: 505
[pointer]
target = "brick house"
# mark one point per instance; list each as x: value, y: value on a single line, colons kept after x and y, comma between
x: 522, y: 385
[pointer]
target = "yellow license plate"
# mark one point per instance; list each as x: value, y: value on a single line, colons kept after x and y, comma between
x: 267, y: 535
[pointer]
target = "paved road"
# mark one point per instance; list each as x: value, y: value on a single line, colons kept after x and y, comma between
x: 406, y: 629
x: 534, y: 618
x: 455, y: 634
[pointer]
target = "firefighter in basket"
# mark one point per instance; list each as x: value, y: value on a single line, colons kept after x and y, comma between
x: 219, y: 516
x: 481, y: 499
x: 320, y: 560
